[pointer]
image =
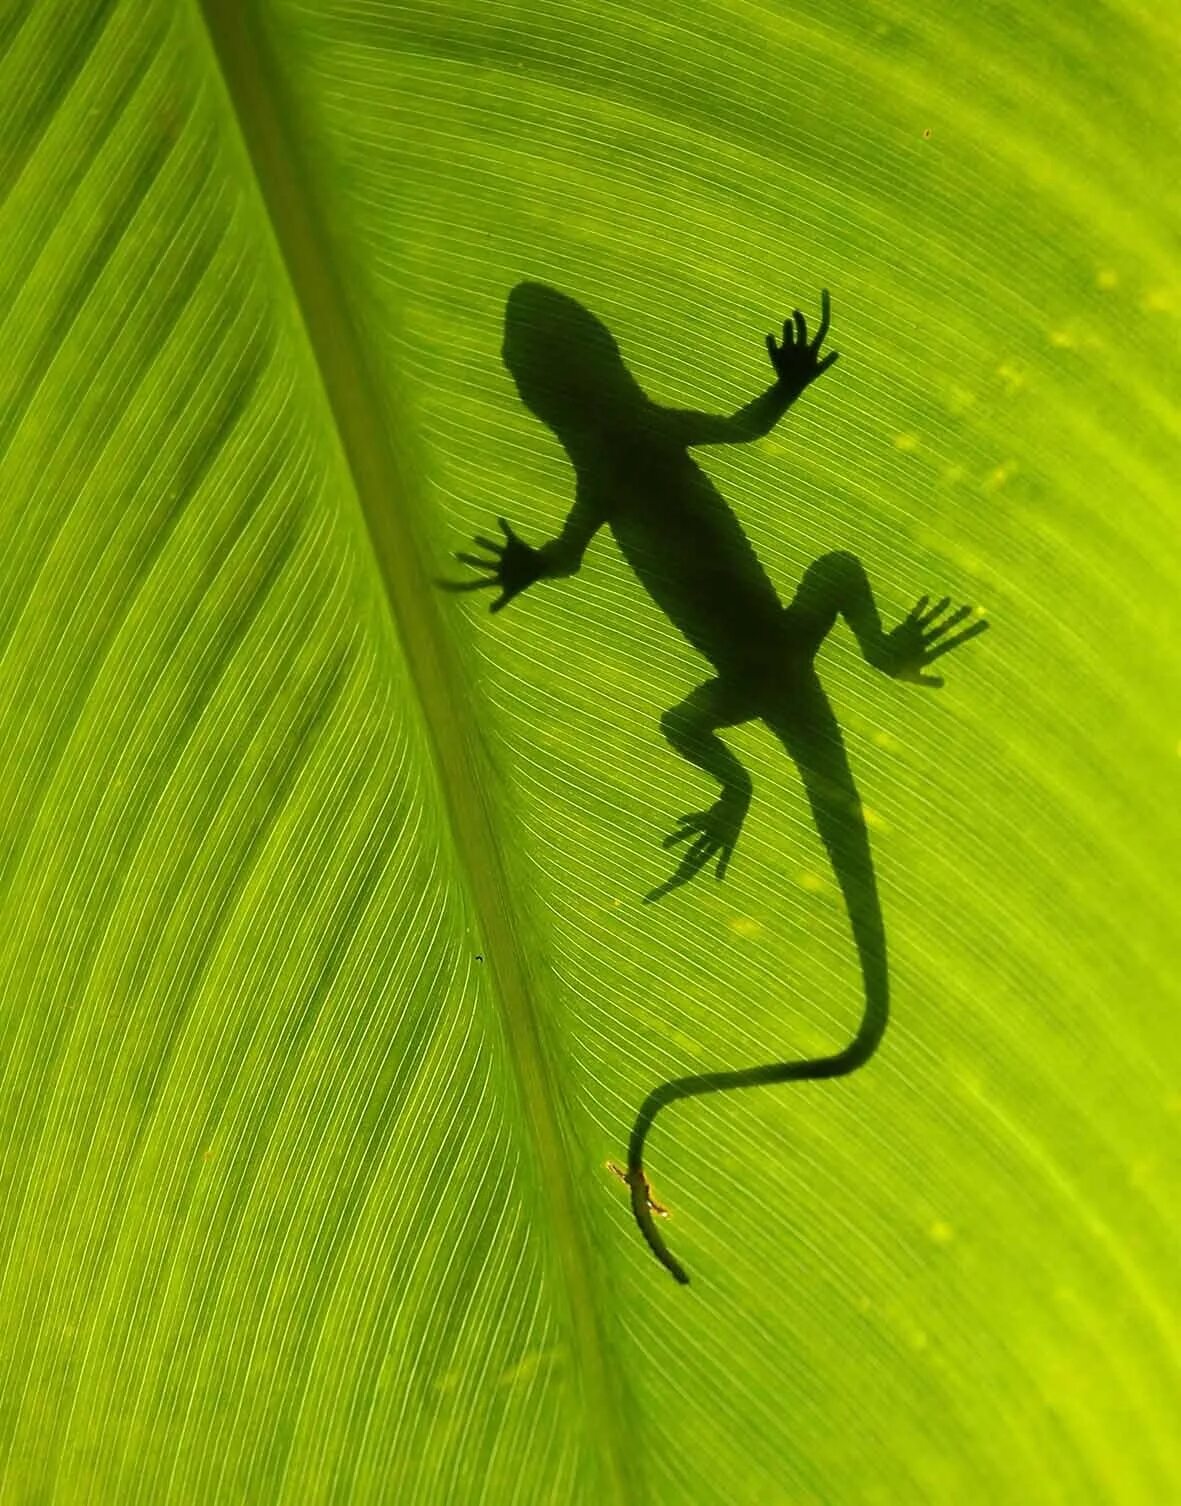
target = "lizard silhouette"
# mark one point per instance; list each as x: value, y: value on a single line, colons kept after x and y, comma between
x: 634, y: 474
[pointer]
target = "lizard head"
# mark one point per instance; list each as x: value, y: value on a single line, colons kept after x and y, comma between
x: 565, y: 362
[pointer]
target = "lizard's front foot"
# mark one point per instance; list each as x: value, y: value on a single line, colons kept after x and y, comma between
x: 797, y: 361
x: 921, y: 638
x: 511, y: 566
x: 714, y: 834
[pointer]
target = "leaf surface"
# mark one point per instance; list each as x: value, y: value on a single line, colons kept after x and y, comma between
x: 326, y: 986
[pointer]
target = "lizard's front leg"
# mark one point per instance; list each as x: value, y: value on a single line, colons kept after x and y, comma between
x: 511, y: 566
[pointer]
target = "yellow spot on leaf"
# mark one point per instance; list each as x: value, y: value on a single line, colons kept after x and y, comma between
x: 1160, y: 300
x: 873, y: 821
x: 960, y: 399
x: 908, y: 443
x: 1062, y: 339
x: 1106, y: 279
x: 941, y: 1233
x: 1012, y: 376
x: 524, y: 1370
x: 1000, y: 475
x: 887, y: 740
x: 743, y: 925
x: 812, y: 882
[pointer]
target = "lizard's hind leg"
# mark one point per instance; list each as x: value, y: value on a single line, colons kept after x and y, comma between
x: 835, y: 585
x: 692, y: 729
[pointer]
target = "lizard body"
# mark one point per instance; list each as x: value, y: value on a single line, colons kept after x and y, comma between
x: 635, y: 475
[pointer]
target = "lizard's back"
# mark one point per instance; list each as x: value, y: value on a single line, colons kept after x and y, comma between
x: 678, y: 534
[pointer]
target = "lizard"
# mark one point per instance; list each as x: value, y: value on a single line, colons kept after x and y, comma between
x: 635, y: 475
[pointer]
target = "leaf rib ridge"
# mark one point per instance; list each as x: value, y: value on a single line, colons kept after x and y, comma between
x: 256, y: 96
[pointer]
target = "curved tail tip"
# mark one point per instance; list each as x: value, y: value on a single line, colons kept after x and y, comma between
x: 667, y: 1259
x: 643, y: 1207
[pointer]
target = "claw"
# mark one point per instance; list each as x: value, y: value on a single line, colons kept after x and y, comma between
x: 947, y: 624
x: 954, y: 642
x: 825, y: 320
x: 940, y: 606
x: 925, y: 635
x: 796, y: 360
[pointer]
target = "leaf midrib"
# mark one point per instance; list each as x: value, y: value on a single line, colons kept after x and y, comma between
x: 361, y: 417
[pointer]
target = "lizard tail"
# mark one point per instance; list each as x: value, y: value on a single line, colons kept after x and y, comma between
x: 840, y: 1064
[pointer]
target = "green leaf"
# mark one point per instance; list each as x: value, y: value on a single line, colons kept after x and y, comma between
x: 327, y: 988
